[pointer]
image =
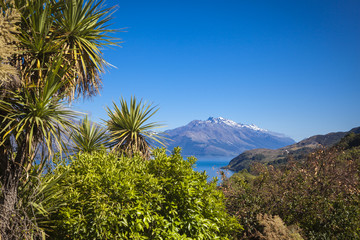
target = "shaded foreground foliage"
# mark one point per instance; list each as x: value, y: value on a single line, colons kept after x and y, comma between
x: 320, y: 195
x: 112, y: 197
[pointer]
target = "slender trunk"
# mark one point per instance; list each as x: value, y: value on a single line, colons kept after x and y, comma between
x: 9, y: 196
x: 8, y: 200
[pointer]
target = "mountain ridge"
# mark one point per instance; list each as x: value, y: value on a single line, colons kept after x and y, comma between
x: 223, y: 137
x: 296, y: 151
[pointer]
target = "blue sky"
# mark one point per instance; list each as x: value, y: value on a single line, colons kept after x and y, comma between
x: 287, y: 66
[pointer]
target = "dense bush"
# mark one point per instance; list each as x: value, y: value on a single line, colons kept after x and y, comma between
x: 112, y: 197
x: 321, y: 195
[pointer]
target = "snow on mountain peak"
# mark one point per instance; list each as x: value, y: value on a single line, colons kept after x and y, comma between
x: 221, y: 120
x: 231, y: 123
x: 256, y: 128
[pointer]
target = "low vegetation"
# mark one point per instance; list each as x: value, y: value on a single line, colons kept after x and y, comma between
x: 108, y: 196
x: 320, y: 196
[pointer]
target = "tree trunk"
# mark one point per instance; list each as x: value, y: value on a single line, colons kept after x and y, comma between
x: 10, y: 180
x: 8, y: 202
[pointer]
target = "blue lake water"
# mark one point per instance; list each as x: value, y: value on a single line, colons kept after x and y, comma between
x: 212, y: 167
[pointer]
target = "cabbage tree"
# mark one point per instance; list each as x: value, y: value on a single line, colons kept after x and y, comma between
x: 89, y: 137
x: 31, y: 120
x: 129, y: 128
x: 56, y: 56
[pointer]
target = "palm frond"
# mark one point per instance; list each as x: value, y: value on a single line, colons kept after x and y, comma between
x: 89, y: 137
x: 82, y: 30
x: 36, y: 116
x: 77, y: 30
x: 129, y: 130
x: 39, y: 197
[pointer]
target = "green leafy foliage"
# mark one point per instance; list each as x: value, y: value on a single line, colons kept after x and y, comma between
x: 351, y: 140
x: 321, y: 195
x: 112, y: 197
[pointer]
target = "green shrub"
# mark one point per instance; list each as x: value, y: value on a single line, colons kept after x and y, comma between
x: 112, y: 197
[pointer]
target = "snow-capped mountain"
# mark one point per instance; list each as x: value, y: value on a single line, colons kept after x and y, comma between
x: 223, y: 137
x: 221, y: 120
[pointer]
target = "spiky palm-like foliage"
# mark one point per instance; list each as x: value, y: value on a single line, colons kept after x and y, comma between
x: 32, y: 115
x: 58, y: 56
x: 75, y: 29
x: 31, y: 118
x: 89, y: 137
x: 83, y: 31
x: 129, y: 128
x: 39, y: 197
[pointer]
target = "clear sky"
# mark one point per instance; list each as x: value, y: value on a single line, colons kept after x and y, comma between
x: 287, y: 66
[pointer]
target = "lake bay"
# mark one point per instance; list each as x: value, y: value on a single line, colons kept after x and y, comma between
x: 212, y: 167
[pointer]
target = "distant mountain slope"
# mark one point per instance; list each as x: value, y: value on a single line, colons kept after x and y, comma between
x: 295, y: 151
x: 222, y: 137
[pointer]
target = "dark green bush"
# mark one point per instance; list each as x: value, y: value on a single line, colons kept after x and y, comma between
x: 351, y: 140
x: 112, y: 197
